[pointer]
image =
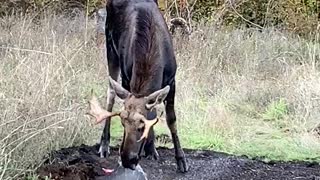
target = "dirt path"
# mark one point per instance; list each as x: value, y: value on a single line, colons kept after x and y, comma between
x: 83, y: 163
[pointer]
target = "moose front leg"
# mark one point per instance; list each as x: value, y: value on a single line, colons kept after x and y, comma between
x: 171, y: 121
x: 149, y: 147
x: 104, y: 150
x: 114, y: 71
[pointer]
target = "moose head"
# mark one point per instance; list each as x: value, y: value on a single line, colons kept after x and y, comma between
x: 133, y: 118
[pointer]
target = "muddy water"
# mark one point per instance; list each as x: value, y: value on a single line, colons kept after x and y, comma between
x: 83, y: 163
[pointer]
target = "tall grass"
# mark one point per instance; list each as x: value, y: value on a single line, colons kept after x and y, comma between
x: 250, y: 92
x: 240, y: 91
x: 46, y: 71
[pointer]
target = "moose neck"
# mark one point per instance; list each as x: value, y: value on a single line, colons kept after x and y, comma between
x: 147, y: 69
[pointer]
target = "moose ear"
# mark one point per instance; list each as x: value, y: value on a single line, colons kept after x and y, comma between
x: 157, y: 97
x: 119, y: 90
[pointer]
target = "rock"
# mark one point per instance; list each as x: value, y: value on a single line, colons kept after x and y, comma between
x: 122, y: 173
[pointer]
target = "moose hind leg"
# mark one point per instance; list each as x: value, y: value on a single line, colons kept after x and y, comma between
x: 171, y: 121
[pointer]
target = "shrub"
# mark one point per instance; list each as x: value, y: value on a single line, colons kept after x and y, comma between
x: 295, y: 16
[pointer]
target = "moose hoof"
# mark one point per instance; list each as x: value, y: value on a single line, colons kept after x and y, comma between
x: 182, y: 165
x: 104, y: 150
x: 153, y: 157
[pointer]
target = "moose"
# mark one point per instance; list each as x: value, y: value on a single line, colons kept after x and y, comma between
x: 140, y: 50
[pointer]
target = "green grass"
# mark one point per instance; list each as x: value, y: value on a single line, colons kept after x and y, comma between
x: 275, y: 111
x: 243, y: 92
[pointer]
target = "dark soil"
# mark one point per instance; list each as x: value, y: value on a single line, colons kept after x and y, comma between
x: 83, y: 162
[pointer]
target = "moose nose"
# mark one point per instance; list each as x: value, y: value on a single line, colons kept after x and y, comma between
x: 130, y: 160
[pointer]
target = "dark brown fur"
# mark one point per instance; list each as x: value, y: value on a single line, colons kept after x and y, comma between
x: 140, y: 46
x: 144, y: 67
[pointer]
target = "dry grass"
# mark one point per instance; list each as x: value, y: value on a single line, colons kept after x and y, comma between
x: 240, y: 91
x: 46, y: 71
x: 249, y: 92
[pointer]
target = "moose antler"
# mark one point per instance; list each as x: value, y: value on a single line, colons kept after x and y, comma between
x: 99, y: 113
x: 147, y: 125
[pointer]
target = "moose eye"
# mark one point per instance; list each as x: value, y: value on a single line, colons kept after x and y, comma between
x: 140, y: 129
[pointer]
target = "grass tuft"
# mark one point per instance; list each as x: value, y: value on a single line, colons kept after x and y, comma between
x: 276, y: 110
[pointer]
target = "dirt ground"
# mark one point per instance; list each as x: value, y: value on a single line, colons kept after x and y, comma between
x: 83, y: 162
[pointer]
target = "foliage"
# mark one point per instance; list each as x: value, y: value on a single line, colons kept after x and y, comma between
x: 291, y: 15
x: 204, y: 10
x: 301, y: 17
x: 296, y: 16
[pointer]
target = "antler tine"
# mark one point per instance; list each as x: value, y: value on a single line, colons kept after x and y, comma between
x: 147, y: 125
x: 98, y: 112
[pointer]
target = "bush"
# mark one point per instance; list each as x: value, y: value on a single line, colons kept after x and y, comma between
x: 295, y: 16
x: 290, y: 15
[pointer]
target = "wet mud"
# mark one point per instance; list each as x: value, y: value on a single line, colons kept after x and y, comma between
x: 83, y: 163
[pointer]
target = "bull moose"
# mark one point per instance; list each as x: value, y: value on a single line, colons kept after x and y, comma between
x: 140, y: 48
